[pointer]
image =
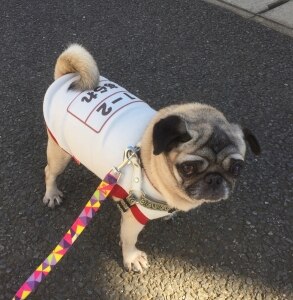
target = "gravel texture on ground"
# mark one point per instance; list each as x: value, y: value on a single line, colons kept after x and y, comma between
x: 164, y: 52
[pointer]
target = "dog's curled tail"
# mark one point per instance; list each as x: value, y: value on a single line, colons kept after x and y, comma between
x: 76, y: 59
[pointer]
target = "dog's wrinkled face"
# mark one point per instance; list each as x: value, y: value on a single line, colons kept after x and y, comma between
x: 209, y: 172
x: 204, y: 152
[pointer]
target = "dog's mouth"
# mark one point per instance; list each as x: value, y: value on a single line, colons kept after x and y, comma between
x: 200, y: 192
x: 215, y: 200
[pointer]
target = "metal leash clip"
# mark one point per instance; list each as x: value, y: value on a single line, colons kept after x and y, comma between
x: 129, y: 153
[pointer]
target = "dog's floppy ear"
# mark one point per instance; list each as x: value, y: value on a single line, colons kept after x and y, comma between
x: 251, y: 141
x: 168, y: 133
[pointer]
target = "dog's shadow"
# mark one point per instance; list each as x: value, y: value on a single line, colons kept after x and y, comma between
x: 234, y: 237
x: 231, y: 237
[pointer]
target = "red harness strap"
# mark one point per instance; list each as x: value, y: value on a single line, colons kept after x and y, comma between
x: 139, y: 216
x: 119, y: 192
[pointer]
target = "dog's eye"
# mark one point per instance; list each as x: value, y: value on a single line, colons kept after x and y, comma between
x: 189, y: 168
x: 236, y: 167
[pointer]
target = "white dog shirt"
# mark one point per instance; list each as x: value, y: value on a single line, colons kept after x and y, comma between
x: 95, y: 127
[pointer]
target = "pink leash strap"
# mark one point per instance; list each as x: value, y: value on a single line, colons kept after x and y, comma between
x: 92, y: 206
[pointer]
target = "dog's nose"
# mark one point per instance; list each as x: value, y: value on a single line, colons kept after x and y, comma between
x: 213, y: 179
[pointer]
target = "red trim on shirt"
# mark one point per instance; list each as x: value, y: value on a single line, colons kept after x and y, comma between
x: 118, y: 192
x: 54, y: 139
x: 52, y: 136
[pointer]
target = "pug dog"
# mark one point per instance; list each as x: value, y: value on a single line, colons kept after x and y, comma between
x: 189, y: 154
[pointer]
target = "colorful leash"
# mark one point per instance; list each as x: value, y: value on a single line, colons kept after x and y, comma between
x: 92, y: 206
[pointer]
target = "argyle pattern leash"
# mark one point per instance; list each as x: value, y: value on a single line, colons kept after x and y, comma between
x: 92, y: 206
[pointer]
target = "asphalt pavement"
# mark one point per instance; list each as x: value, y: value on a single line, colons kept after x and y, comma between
x: 165, y: 52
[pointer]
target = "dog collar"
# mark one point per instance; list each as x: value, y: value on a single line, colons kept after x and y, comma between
x: 142, y: 206
x: 146, y: 201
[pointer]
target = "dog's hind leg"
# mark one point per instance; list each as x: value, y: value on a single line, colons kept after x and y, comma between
x: 57, y: 160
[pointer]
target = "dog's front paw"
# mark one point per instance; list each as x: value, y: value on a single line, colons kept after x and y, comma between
x: 53, y: 198
x: 136, y: 261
